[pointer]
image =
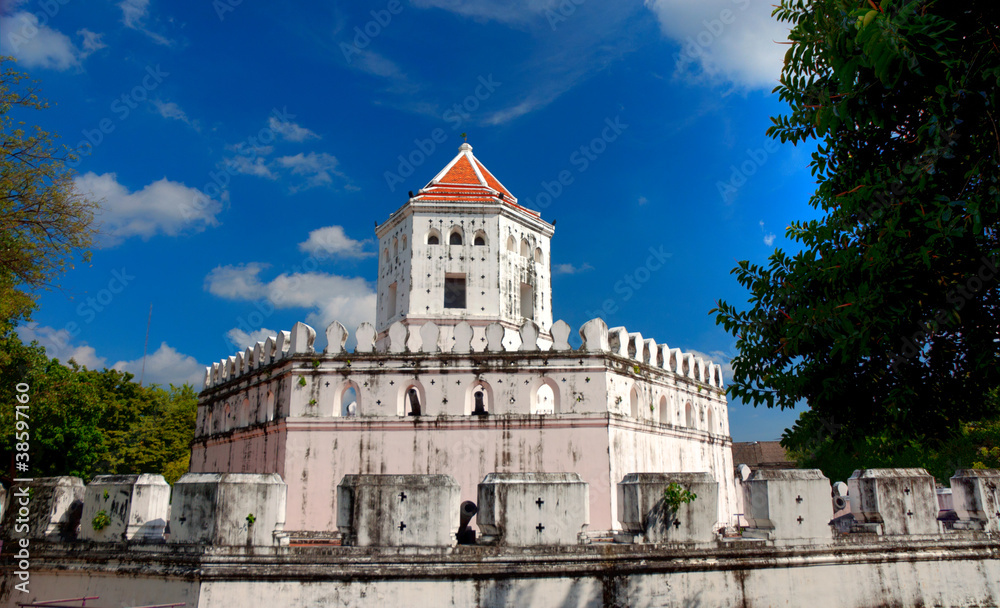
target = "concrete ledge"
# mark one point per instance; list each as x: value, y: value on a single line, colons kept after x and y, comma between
x: 902, y: 501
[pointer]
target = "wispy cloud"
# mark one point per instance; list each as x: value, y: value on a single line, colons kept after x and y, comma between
x: 134, y: 13
x: 290, y: 131
x: 172, y: 111
x: 318, y: 168
x: 643, y: 200
x: 571, y: 269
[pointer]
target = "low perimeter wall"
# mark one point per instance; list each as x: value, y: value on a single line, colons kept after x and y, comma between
x: 863, y: 571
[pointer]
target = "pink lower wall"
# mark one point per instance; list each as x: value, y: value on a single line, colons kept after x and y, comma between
x: 313, y: 455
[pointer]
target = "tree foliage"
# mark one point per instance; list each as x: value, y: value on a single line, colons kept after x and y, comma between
x: 886, y: 322
x: 85, y: 422
x: 44, y: 220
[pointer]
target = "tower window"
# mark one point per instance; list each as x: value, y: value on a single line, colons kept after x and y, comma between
x: 391, y: 309
x: 433, y: 237
x: 454, y: 291
x: 480, y: 239
x: 527, y: 305
x: 455, y: 238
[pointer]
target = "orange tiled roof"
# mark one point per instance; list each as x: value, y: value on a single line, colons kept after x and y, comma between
x: 465, y: 179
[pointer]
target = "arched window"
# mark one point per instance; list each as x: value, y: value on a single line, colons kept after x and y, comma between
x: 525, y: 249
x: 455, y: 238
x: 269, y: 407
x: 244, y: 418
x: 404, y: 241
x: 479, y: 399
x: 634, y: 402
x: 480, y: 239
x: 711, y: 421
x: 395, y: 247
x: 545, y: 400
x: 412, y: 400
x: 538, y: 254
x: 664, y: 411
x: 227, y: 418
x: 349, y: 402
x: 544, y: 397
x: 433, y: 237
x: 688, y: 416
x: 511, y: 244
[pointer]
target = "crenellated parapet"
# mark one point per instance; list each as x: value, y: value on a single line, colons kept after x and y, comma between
x: 414, y: 340
x: 471, y: 370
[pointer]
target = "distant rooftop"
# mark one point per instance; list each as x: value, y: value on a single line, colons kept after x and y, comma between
x: 761, y: 455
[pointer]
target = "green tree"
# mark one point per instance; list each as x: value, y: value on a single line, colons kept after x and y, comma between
x: 886, y: 321
x: 86, y: 422
x: 44, y: 221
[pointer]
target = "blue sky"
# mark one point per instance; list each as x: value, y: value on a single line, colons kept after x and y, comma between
x: 233, y: 141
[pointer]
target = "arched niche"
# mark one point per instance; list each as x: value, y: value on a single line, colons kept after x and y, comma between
x: 480, y: 240
x: 688, y: 415
x: 456, y: 236
x: 433, y: 237
x: 347, y: 393
x: 525, y: 248
x: 269, y: 406
x: 538, y: 255
x: 243, y: 419
x: 635, y: 403
x: 479, y: 386
x: 404, y: 405
x: 511, y: 244
x: 711, y: 421
x: 545, y: 397
x: 664, y: 412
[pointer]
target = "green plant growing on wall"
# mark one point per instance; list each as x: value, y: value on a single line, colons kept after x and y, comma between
x: 101, y: 520
x: 251, y: 518
x: 315, y: 362
x: 312, y: 402
x: 675, y: 495
x: 106, y: 494
x: 302, y: 380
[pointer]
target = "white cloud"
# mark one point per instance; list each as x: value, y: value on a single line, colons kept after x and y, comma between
x: 58, y: 344
x: 349, y: 300
x: 35, y: 44
x: 290, y: 131
x: 724, y: 40
x: 240, y: 339
x: 172, y: 111
x: 571, y: 269
x: 165, y: 366
x: 163, y: 206
x: 643, y: 200
x: 240, y: 282
x: 317, y: 168
x: 503, y: 11
x: 769, y: 239
x: 333, y: 241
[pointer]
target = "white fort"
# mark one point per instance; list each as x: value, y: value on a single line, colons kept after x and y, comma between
x: 464, y: 373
